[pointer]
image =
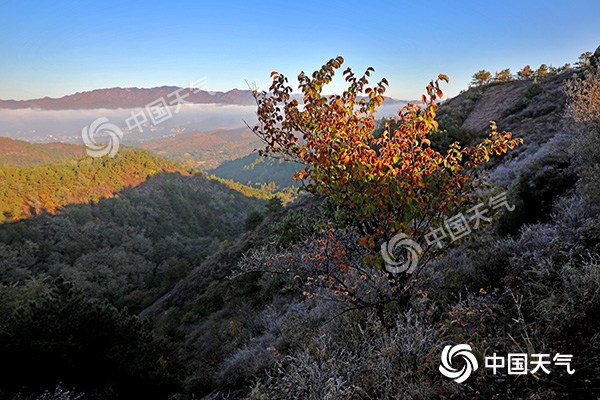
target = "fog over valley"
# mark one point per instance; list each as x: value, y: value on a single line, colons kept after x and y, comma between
x: 65, y: 125
x: 42, y: 126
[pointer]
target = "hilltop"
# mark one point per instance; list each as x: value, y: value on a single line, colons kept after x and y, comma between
x: 18, y: 153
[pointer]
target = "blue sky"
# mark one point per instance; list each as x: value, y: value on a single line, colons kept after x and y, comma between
x: 55, y: 48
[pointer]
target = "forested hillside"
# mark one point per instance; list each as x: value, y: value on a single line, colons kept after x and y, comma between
x: 28, y: 191
x: 17, y: 153
x: 98, y: 240
x: 256, y: 171
x: 305, y: 315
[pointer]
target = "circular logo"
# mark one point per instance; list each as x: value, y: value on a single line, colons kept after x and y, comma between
x: 115, y: 134
x: 464, y: 351
x: 409, y: 258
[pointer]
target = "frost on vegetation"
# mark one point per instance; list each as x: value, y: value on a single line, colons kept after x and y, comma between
x: 281, y: 326
x: 531, y: 158
x: 359, y: 358
x: 61, y: 394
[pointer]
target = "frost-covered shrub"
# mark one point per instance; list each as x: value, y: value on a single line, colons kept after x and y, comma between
x: 282, y: 325
x: 328, y: 265
x: 356, y: 357
x: 572, y: 300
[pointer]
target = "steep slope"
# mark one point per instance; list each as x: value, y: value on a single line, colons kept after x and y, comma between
x: 225, y: 328
x: 531, y: 109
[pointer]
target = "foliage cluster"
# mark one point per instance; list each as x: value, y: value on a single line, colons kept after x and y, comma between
x: 378, y: 186
x: 333, y: 137
x: 584, y: 98
x: 583, y: 107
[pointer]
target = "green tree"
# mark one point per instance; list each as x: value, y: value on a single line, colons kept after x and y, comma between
x: 480, y: 78
x: 542, y: 71
x: 504, y: 76
x: 584, y: 60
x: 525, y: 73
x: 274, y: 206
x: 254, y: 219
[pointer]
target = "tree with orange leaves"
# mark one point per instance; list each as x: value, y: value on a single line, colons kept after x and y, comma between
x: 395, y: 183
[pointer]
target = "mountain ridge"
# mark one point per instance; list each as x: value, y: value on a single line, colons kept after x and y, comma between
x: 117, y: 97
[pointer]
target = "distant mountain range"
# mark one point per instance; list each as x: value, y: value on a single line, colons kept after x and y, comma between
x: 116, y: 98
x: 130, y: 98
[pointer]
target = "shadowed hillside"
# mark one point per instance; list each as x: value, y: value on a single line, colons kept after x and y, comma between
x: 71, y: 282
x: 503, y: 289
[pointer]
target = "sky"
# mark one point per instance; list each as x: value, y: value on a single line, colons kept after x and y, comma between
x: 55, y: 48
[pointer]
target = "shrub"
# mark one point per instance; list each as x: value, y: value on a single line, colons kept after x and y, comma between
x: 381, y: 186
x: 533, y: 90
x: 356, y: 357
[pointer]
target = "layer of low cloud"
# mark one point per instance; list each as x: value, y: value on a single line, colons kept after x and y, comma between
x: 66, y: 125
